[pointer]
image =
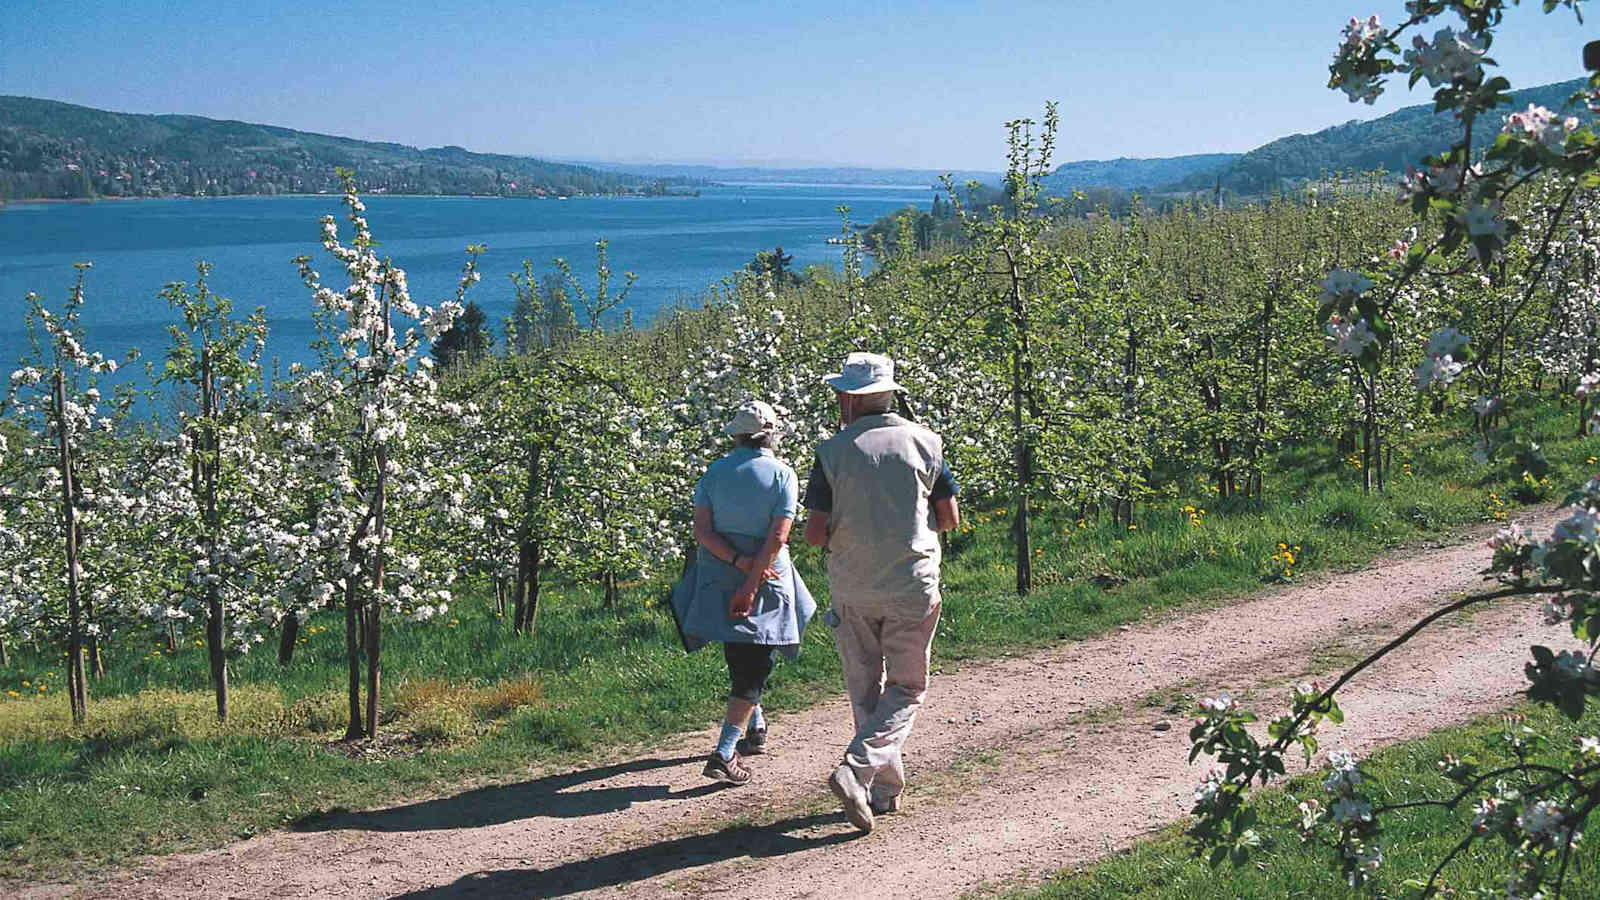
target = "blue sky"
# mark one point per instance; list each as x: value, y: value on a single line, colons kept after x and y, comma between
x: 922, y: 85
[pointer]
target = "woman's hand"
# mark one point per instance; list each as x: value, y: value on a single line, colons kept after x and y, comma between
x: 745, y: 564
x: 744, y: 601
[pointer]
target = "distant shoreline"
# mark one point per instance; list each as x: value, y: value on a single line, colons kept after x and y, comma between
x: 870, y: 186
x: 51, y: 201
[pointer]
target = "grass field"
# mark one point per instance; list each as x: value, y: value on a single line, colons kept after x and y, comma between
x: 152, y: 772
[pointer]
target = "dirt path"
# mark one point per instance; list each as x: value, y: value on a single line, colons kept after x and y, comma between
x: 1017, y: 768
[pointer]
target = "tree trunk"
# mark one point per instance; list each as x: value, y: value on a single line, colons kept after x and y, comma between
x: 211, y: 445
x: 352, y: 647
x: 95, y: 662
x: 526, y: 606
x: 1369, y: 437
x: 1211, y: 397
x: 530, y: 549
x: 217, y: 652
x: 1347, y: 441
x: 1257, y: 486
x: 375, y: 607
x: 519, y: 589
x: 1022, y: 446
x: 1588, y: 360
x: 531, y: 609
x: 77, y: 690
x: 1130, y: 373
x: 288, y: 638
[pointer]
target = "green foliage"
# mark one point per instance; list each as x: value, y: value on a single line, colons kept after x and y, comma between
x: 775, y: 266
x: 465, y: 342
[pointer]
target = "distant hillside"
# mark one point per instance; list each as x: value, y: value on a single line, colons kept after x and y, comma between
x: 1132, y: 174
x: 1392, y: 143
x: 58, y: 150
x: 806, y: 175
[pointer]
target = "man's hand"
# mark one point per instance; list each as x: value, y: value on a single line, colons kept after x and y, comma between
x: 817, y: 528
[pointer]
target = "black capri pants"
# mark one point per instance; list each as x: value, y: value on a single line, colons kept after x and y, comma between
x: 748, y: 668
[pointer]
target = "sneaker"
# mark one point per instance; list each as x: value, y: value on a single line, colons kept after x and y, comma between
x: 726, y: 770
x: 887, y: 805
x: 753, y: 743
x: 854, y: 797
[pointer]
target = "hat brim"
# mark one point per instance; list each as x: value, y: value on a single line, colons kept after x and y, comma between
x: 731, y: 431
x: 846, y: 386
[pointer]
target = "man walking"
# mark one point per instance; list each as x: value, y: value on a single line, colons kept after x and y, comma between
x: 879, y: 494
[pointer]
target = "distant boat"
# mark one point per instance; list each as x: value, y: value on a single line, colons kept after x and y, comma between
x: 836, y: 240
x: 561, y: 198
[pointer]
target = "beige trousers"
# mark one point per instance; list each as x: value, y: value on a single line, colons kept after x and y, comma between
x: 886, y: 674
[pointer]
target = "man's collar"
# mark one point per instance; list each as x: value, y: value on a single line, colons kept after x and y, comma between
x: 876, y: 420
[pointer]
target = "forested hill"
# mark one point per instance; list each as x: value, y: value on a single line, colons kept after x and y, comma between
x: 57, y: 150
x: 1392, y: 143
x: 1132, y: 174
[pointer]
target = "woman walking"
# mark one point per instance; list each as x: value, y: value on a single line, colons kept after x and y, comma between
x: 742, y: 590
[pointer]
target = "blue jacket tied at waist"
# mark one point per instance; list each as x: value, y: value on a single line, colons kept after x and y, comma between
x: 783, y: 606
x: 746, y: 490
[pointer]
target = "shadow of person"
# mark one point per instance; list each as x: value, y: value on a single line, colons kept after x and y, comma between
x: 549, y: 797
x: 628, y: 866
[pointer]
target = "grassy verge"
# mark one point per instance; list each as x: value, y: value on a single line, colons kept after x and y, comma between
x: 1413, y: 842
x: 469, y: 700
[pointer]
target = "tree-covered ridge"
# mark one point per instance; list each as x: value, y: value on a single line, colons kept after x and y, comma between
x: 1391, y: 143
x: 1132, y: 174
x: 53, y: 150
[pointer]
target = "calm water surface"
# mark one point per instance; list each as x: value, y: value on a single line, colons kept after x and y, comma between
x: 678, y: 246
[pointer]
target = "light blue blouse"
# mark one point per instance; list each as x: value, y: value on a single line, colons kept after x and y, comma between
x: 746, y: 490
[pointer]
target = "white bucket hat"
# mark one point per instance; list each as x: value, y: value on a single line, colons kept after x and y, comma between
x: 865, y: 373
x: 752, y: 417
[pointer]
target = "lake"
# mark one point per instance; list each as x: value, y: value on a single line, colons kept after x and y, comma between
x: 678, y: 246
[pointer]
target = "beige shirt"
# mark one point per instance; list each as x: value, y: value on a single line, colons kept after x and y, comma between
x: 883, y: 540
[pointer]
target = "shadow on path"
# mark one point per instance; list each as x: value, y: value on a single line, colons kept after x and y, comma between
x: 547, y: 797
x: 628, y: 866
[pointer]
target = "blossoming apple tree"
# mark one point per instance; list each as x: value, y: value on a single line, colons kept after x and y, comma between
x: 371, y: 449
x: 61, y: 507
x: 1538, y: 805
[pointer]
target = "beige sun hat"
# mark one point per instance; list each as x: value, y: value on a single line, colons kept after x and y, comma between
x: 864, y: 373
x: 752, y: 417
